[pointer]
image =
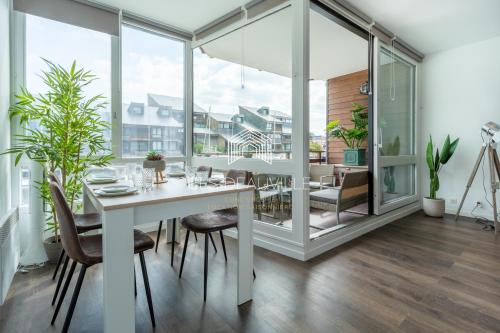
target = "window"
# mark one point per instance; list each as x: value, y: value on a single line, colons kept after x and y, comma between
x: 156, y: 132
x: 157, y: 146
x: 232, y: 77
x: 153, y: 85
x: 62, y: 44
x: 164, y: 111
x: 224, y: 125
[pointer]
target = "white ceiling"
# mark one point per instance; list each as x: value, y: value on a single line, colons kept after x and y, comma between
x: 427, y: 25
x: 266, y: 45
x: 431, y: 26
x: 186, y: 14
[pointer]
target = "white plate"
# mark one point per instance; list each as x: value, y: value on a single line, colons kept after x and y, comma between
x: 102, y: 180
x: 131, y: 190
x: 215, y: 180
x: 115, y: 188
x: 176, y: 174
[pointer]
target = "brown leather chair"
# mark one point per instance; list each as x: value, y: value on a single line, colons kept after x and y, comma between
x: 87, y: 251
x: 201, y: 168
x: 83, y: 223
x: 217, y: 221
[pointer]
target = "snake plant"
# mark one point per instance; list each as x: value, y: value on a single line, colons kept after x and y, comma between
x: 436, y: 160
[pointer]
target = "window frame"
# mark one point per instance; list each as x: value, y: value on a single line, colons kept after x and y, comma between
x: 19, y: 76
x: 116, y: 100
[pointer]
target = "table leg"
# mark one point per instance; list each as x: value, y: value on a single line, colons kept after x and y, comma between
x: 118, y: 270
x: 88, y: 207
x: 245, y: 246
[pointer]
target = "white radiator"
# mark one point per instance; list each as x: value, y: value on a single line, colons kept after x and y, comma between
x: 9, y: 250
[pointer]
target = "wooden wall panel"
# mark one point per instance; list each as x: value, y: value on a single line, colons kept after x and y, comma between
x: 342, y: 92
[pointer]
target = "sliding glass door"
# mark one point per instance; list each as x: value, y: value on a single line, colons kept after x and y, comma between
x: 395, y: 161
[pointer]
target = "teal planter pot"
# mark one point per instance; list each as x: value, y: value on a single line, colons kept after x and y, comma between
x: 354, y: 156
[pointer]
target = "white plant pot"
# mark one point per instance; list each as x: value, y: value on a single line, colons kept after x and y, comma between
x: 434, y: 207
x: 158, y: 165
x: 52, y: 249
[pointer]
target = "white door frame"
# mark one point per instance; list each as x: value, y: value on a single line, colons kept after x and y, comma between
x: 381, y: 161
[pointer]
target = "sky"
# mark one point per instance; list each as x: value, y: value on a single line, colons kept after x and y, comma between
x: 154, y: 64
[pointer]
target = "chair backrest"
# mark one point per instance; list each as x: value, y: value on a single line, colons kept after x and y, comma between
x: 205, y: 168
x: 318, y: 170
x: 355, y: 179
x: 69, y: 235
x: 233, y: 176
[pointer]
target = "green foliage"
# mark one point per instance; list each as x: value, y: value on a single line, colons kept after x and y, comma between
x: 435, y: 161
x: 314, y: 146
x: 154, y: 156
x: 392, y: 148
x: 355, y: 136
x: 198, y: 148
x: 62, y: 130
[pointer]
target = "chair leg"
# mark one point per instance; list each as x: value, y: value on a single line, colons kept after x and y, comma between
x: 63, y: 292
x: 76, y: 292
x: 59, y: 261
x: 184, y: 252
x: 158, y: 236
x: 254, y: 276
x: 213, y: 243
x: 205, y: 270
x: 338, y: 215
x: 146, y: 286
x: 61, y: 278
x: 223, y: 244
x: 195, y: 236
x: 173, y: 242
x: 135, y: 283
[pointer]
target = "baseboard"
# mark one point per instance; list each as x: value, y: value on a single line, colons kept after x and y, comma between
x: 328, y: 242
x: 468, y: 213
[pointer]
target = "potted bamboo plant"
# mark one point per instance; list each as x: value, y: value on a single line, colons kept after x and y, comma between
x: 63, y: 131
x: 434, y: 206
x: 354, y: 136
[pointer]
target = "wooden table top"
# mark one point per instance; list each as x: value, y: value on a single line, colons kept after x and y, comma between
x: 171, y: 191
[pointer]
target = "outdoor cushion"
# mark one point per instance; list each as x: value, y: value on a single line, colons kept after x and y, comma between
x: 316, y: 185
x: 329, y: 195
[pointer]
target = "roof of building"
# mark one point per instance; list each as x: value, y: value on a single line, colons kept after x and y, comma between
x: 222, y: 117
x: 276, y: 113
x: 150, y: 117
x: 272, y: 117
x: 176, y: 103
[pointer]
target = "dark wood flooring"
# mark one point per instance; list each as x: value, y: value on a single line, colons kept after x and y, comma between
x: 415, y: 275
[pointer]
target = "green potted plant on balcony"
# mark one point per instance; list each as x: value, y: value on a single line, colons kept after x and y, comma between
x: 62, y: 131
x: 354, y: 136
x: 434, y: 206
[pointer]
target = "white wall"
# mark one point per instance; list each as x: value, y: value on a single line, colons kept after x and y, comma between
x: 460, y: 92
x: 5, y: 188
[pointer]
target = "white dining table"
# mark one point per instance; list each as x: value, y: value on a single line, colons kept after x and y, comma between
x: 169, y: 200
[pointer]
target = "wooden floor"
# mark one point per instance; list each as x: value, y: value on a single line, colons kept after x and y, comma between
x: 415, y: 275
